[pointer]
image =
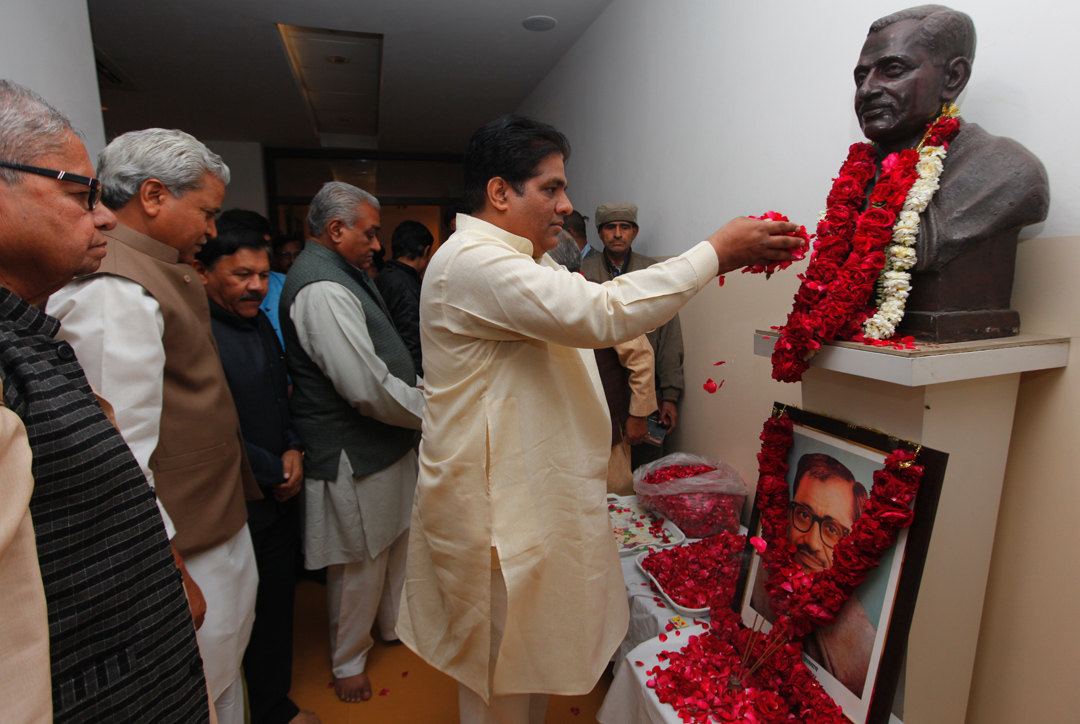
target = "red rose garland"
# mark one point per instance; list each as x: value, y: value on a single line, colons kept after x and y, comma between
x: 736, y: 674
x: 810, y: 602
x: 849, y: 253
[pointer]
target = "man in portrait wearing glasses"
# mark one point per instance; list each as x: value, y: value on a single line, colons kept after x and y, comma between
x: 141, y: 328
x: 118, y: 638
x: 825, y: 503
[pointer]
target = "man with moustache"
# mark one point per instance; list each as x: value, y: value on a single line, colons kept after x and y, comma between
x: 616, y: 224
x: 825, y: 503
x: 912, y: 63
x: 234, y: 267
x: 119, y: 633
x: 357, y: 408
x: 511, y: 515
x: 141, y: 327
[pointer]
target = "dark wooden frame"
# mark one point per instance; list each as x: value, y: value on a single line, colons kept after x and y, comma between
x: 914, y: 559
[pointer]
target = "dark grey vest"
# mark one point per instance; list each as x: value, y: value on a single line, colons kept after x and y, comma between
x: 325, y: 422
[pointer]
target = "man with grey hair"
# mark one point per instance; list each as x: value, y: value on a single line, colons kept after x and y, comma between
x: 141, y: 326
x: 118, y: 635
x: 356, y: 406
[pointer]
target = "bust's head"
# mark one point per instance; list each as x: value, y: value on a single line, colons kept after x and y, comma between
x: 913, y: 62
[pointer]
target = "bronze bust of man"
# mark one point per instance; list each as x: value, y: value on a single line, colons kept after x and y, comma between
x: 912, y: 63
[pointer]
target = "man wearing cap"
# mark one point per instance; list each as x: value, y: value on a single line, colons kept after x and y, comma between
x: 616, y: 224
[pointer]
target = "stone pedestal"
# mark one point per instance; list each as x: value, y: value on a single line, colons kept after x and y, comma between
x: 957, y: 398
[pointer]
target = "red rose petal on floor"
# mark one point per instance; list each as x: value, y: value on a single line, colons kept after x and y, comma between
x: 384, y: 692
x: 710, y: 386
x: 404, y: 674
x: 574, y: 710
x: 721, y: 280
x: 721, y: 362
x: 330, y: 685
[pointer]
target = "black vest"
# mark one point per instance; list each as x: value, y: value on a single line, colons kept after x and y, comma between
x: 325, y: 422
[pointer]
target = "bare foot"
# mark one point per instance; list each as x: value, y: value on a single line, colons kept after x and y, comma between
x: 353, y: 688
x: 306, y: 717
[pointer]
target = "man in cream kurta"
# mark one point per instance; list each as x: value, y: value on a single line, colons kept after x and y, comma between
x: 516, y: 434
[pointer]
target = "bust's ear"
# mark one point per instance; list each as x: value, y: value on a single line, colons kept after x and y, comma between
x: 498, y: 193
x: 957, y: 74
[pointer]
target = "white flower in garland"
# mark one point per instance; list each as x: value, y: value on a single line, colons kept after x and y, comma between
x: 895, y: 279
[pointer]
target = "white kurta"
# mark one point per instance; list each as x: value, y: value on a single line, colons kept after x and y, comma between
x: 514, y: 454
x: 116, y: 329
x: 351, y: 519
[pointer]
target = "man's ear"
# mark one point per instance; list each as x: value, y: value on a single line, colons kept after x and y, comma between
x: 334, y: 229
x: 152, y: 196
x: 201, y: 269
x: 957, y: 74
x: 498, y: 193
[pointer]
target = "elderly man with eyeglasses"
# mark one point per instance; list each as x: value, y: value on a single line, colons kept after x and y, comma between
x: 118, y: 636
x: 141, y: 326
x: 825, y: 503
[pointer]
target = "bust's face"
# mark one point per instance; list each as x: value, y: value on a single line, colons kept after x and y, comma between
x: 898, y: 85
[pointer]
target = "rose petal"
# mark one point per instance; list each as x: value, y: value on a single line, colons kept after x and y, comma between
x: 574, y: 710
x: 404, y: 674
x: 721, y: 362
x: 759, y: 544
x: 710, y: 386
x: 663, y: 638
x: 721, y: 280
x: 384, y: 692
x: 639, y: 663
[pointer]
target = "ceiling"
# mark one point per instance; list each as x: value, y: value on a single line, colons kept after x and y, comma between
x: 219, y: 69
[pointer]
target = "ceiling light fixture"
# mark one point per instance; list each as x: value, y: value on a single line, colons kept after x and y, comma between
x: 539, y: 23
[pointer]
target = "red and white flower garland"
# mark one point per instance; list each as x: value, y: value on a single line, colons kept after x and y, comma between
x: 850, y: 251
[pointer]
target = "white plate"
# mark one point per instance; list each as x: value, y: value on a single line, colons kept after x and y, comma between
x: 677, y: 537
x: 681, y: 610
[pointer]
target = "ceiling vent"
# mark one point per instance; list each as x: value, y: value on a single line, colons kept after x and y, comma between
x: 109, y: 75
x: 340, y: 75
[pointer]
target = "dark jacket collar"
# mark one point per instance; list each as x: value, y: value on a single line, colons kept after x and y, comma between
x: 394, y: 264
x: 233, y: 320
x: 26, y: 316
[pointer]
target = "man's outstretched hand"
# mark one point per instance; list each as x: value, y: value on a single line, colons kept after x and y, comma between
x: 742, y: 242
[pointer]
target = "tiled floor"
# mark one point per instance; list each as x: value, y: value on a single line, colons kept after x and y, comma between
x: 414, y: 692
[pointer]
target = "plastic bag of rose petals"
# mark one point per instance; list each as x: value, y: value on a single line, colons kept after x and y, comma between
x: 700, y: 495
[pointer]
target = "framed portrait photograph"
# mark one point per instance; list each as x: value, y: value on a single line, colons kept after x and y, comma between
x: 831, y: 464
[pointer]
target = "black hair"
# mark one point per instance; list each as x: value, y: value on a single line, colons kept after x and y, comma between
x: 232, y: 236
x: 820, y: 466
x: 251, y: 219
x: 575, y: 222
x: 411, y: 239
x: 511, y: 148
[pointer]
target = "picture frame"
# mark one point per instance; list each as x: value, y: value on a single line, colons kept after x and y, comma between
x: 859, y: 659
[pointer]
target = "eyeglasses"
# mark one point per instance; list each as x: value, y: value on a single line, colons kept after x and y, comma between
x: 803, y: 519
x: 288, y: 254
x: 93, y: 183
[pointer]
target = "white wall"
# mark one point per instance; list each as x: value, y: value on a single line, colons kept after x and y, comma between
x: 45, y: 45
x: 247, y: 186
x: 700, y: 111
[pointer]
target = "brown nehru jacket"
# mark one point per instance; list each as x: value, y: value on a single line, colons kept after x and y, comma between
x: 201, y: 472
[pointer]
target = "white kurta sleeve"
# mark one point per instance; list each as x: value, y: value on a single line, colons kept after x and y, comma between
x: 116, y: 329
x: 544, y: 301
x: 332, y: 328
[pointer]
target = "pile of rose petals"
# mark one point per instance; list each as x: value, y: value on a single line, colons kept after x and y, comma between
x: 700, y: 574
